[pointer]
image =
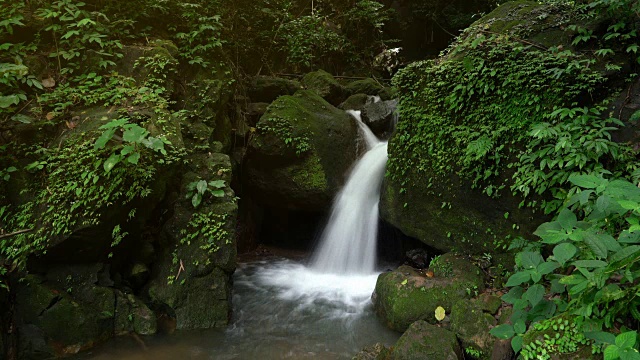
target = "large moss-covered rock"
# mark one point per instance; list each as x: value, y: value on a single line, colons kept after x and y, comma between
x: 133, y: 316
x: 472, y: 326
x: 365, y: 86
x: 373, y: 352
x: 425, y: 341
x: 192, y: 279
x: 406, y: 295
x: 266, y: 89
x: 355, y: 102
x: 300, y: 153
x: 325, y: 85
x: 464, y: 121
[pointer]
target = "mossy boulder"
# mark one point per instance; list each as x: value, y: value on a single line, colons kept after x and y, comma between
x: 325, y: 85
x: 373, y: 352
x: 355, y: 102
x: 425, y: 341
x: 472, y: 325
x: 406, y: 295
x: 301, y: 152
x: 133, y: 316
x: 191, y: 281
x: 55, y: 321
x: 365, y: 86
x: 265, y: 89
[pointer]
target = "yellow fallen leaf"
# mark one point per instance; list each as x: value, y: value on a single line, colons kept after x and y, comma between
x: 404, y: 282
x: 440, y: 313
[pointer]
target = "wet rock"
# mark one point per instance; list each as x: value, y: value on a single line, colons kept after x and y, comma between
x: 380, y: 116
x: 132, y: 315
x: 472, y: 327
x: 301, y: 152
x: 366, y: 86
x: 406, y: 295
x: 191, y: 280
x: 425, y: 341
x: 325, y: 85
x: 265, y: 89
x: 373, y: 352
x: 418, y: 258
x: 355, y: 102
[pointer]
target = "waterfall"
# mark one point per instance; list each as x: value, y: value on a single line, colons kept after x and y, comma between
x: 348, y: 242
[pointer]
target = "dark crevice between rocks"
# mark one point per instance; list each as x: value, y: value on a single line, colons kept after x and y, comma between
x: 52, y: 303
x: 396, y: 248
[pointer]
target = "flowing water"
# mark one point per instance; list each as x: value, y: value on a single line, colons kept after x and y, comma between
x: 283, y: 309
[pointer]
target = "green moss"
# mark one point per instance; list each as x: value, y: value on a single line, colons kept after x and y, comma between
x: 309, y: 174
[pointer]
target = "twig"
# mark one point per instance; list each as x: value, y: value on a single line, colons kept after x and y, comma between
x: 180, y: 269
x: 15, y: 233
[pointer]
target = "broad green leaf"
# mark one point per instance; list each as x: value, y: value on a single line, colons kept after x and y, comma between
x: 202, y: 186
x: 601, y: 336
x: 196, y: 200
x: 626, y: 339
x: 585, y: 181
x: 564, y: 252
x: 10, y: 100
x: 104, y: 139
x: 504, y: 331
x: 111, y: 162
x: 519, y: 327
x: 217, y: 193
x: 596, y: 244
x: 589, y: 263
x: 611, y: 353
x: 218, y: 184
x: 534, y: 294
x: 127, y: 149
x: 625, y: 254
x: 516, y: 343
x: 514, y: 294
x: 628, y: 204
x: 567, y: 219
x: 529, y: 259
x: 572, y: 279
x: 134, y: 158
x: 114, y: 124
x: 134, y: 133
x: 629, y: 354
x: 518, y: 278
x: 547, y: 267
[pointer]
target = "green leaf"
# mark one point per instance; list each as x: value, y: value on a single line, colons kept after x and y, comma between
x: 601, y: 336
x: 529, y: 259
x: 114, y: 124
x: 10, y: 100
x: 504, y: 331
x: 202, y: 186
x: 516, y: 343
x: 625, y: 254
x: 589, y: 263
x: 518, y: 278
x: 626, y: 339
x: 519, y: 326
x: 514, y: 294
x: 218, y: 184
x: 127, y: 149
x: 564, y: 252
x: 196, y: 200
x: 547, y: 267
x: 134, y: 133
x: 596, y: 245
x: 585, y: 181
x: 134, y: 158
x: 534, y: 294
x: 217, y: 193
x: 111, y: 162
x: 567, y: 219
x: 104, y: 139
x: 629, y: 354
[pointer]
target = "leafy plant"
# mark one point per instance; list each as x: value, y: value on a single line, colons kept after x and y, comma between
x: 197, y: 190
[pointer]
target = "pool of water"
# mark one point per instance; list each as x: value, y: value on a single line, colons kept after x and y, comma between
x: 281, y: 310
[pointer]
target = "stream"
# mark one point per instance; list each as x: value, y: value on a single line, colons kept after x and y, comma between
x: 282, y: 310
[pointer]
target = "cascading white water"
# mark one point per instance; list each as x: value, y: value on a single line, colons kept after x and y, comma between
x: 348, y: 242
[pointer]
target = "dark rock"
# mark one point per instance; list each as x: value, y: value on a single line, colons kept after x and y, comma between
x: 380, y: 116
x: 472, y: 326
x: 138, y: 275
x: 418, y: 258
x: 132, y: 315
x: 373, y: 352
x: 425, y: 341
x: 405, y: 295
x: 325, y: 85
x: 354, y: 102
x: 489, y: 303
x: 255, y: 111
x: 366, y: 86
x: 265, y: 89
x: 191, y: 281
x: 502, y: 350
x: 301, y: 152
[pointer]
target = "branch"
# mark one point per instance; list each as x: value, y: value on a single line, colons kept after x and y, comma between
x: 15, y: 233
